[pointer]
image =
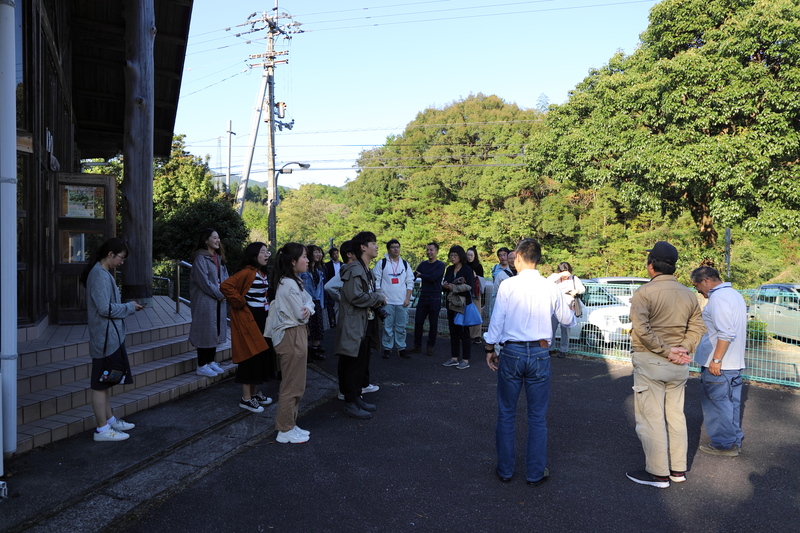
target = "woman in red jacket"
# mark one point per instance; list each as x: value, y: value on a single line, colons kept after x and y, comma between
x: 246, y: 292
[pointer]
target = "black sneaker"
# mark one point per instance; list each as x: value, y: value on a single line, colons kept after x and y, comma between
x: 251, y: 405
x: 262, y: 399
x: 544, y: 479
x: 644, y: 477
x: 386, y: 354
x: 415, y: 349
x: 354, y: 411
x: 677, y: 477
x: 404, y: 354
x: 368, y: 407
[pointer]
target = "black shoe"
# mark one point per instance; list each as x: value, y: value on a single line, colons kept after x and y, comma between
x: 354, y: 411
x: 316, y: 353
x: 404, y: 354
x: 429, y: 351
x: 386, y: 354
x: 477, y: 340
x: 501, y: 478
x: 544, y: 479
x: 560, y: 355
x: 415, y: 349
x: 643, y: 477
x: 369, y: 407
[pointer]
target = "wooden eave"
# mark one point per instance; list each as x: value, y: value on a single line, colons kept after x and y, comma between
x: 97, y: 38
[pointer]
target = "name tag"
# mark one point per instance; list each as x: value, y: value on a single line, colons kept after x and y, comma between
x: 395, y: 281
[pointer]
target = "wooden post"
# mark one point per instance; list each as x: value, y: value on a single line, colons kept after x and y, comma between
x: 137, y: 151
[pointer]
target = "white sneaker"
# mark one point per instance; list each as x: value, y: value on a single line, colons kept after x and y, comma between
x: 302, y: 431
x: 206, y: 371
x: 121, y: 425
x: 340, y: 396
x: 215, y: 367
x: 110, y: 435
x: 291, y: 437
x: 370, y: 388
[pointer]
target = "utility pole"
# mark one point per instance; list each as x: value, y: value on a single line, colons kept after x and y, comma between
x: 228, y: 174
x: 265, y: 100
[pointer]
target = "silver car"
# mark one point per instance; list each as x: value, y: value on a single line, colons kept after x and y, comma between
x: 778, y: 305
x: 622, y: 287
x: 605, y: 319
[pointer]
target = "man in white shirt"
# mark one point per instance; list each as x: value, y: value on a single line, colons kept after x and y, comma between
x: 521, y: 324
x: 721, y: 356
x: 332, y: 268
x: 395, y: 279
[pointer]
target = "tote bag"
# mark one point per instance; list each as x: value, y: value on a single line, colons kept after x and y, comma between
x: 470, y: 317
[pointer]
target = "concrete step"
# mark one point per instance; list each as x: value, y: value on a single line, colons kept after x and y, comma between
x: 57, y: 373
x: 125, y: 403
x: 77, y: 393
x: 45, y: 353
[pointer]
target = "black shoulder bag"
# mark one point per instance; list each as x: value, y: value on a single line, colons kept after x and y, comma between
x: 114, y: 367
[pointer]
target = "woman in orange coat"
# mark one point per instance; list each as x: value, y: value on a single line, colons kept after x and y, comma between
x: 246, y: 292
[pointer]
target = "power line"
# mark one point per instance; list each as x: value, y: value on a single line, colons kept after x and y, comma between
x: 544, y: 10
x: 485, y: 15
x: 213, y: 84
x: 366, y: 8
x: 436, y: 11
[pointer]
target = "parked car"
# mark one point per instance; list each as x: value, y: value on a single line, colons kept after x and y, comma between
x: 622, y: 287
x: 778, y: 305
x: 605, y: 319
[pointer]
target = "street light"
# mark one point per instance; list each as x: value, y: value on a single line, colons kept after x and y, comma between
x: 273, y: 199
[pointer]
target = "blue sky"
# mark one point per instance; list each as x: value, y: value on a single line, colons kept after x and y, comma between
x: 362, y: 70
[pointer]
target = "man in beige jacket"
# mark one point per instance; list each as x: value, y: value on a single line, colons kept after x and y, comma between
x: 667, y: 327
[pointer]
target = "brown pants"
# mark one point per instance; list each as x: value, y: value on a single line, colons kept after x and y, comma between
x: 476, y: 331
x: 292, y: 354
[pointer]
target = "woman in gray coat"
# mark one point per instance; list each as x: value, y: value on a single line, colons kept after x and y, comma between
x: 209, y: 312
x: 105, y: 312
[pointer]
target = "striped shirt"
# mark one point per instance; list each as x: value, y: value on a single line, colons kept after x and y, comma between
x: 257, y: 293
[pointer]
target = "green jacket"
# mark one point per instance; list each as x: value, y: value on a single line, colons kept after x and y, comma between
x: 357, y: 297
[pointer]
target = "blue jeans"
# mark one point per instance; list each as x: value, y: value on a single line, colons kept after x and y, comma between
x: 428, y: 307
x: 722, y: 407
x: 564, y: 345
x: 394, y: 327
x: 528, y: 365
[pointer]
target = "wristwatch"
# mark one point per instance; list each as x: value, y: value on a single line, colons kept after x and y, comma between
x: 716, y: 361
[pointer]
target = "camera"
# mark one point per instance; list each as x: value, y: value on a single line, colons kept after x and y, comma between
x: 381, y: 312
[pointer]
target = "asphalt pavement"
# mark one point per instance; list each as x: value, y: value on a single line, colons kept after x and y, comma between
x: 424, y: 462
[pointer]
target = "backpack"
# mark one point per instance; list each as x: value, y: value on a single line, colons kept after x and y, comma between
x: 383, y: 264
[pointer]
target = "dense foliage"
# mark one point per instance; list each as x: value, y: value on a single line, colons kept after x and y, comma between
x: 703, y: 117
x: 695, y: 132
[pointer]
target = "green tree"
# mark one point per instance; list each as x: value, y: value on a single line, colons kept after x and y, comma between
x: 449, y: 177
x: 175, y: 234
x: 180, y: 179
x: 703, y: 116
x: 313, y: 214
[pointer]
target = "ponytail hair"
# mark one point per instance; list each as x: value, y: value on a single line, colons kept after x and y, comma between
x: 291, y: 251
x: 113, y: 245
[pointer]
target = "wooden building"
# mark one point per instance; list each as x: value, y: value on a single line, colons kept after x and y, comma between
x: 72, y: 58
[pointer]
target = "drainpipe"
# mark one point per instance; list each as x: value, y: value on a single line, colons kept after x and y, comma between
x: 8, y: 230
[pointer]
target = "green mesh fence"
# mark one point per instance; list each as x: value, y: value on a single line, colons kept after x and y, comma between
x: 773, y: 333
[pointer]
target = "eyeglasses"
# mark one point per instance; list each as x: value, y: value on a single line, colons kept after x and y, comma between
x: 122, y: 257
x: 697, y: 284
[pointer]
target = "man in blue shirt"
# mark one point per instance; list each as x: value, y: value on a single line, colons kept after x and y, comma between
x: 521, y: 324
x: 429, y: 303
x: 721, y: 355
